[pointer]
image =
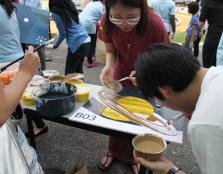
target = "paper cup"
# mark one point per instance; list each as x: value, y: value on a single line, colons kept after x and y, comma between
x: 149, y: 146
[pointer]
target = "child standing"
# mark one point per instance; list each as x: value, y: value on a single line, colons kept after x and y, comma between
x: 192, y: 29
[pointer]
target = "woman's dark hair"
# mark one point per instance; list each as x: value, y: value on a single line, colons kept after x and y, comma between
x: 193, y: 7
x: 142, y: 4
x: 165, y: 65
x: 66, y: 9
x: 8, y: 6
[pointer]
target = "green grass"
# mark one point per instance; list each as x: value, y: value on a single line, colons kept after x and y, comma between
x: 180, y: 37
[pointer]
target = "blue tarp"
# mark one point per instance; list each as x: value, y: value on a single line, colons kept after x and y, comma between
x: 33, y: 24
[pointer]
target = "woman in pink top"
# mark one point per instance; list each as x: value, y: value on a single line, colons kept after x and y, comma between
x: 127, y: 29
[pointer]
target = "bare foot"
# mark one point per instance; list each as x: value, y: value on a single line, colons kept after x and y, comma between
x: 106, y: 162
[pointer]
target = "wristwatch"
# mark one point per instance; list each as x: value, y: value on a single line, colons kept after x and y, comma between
x: 173, y: 170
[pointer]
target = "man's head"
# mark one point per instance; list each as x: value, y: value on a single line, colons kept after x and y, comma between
x: 164, y: 71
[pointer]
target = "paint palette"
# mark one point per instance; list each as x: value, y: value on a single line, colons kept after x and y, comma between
x: 133, y: 109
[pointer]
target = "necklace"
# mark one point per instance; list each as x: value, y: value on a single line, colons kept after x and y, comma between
x: 130, y: 40
x: 129, y: 45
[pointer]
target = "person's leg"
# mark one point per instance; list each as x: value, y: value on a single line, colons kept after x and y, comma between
x: 89, y: 56
x: 121, y: 149
x: 74, y: 62
x: 210, y: 50
x: 205, y: 57
x: 82, y: 51
x: 92, y: 48
x: 196, y: 46
x: 79, y: 56
x: 69, y: 68
x: 42, y: 56
x: 187, y: 43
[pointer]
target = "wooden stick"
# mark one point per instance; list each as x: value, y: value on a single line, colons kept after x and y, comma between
x: 123, y: 79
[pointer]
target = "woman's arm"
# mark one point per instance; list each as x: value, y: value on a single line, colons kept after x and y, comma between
x: 110, y: 60
x: 10, y: 95
x: 61, y: 30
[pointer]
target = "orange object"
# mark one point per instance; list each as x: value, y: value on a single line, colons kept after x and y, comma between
x: 9, y: 73
x: 6, y: 78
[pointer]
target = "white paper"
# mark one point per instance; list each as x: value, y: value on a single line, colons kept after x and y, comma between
x: 83, y: 115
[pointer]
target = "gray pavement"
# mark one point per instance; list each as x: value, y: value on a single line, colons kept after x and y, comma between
x: 63, y: 146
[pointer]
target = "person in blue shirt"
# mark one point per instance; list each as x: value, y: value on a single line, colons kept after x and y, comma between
x: 33, y: 3
x: 89, y: 17
x: 192, y: 29
x: 65, y: 15
x: 10, y: 48
x: 219, y: 56
x: 166, y: 9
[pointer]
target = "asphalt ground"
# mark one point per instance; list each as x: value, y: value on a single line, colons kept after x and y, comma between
x: 64, y: 146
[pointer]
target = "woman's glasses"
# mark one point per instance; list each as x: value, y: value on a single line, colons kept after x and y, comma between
x: 132, y: 22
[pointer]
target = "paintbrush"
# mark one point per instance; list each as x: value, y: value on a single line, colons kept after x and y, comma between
x: 36, y: 49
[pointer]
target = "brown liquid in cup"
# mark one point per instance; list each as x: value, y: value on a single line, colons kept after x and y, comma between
x: 111, y: 84
x: 149, y: 146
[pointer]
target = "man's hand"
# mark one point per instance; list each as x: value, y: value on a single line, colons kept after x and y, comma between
x: 162, y: 166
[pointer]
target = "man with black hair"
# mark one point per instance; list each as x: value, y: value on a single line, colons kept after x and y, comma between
x: 174, y: 76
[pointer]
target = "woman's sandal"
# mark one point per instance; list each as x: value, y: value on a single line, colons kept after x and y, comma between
x: 135, y: 168
x: 40, y: 131
x: 109, y: 158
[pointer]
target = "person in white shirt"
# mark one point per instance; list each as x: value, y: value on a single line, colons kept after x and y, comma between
x: 174, y: 76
